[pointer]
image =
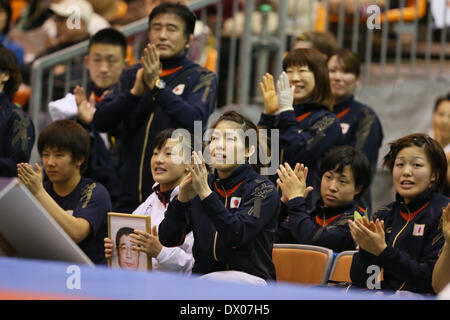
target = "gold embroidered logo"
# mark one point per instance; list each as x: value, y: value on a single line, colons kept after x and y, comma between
x: 20, y: 128
x: 87, y: 194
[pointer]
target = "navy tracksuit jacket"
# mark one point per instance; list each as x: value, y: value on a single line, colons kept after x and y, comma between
x: 414, y: 239
x: 16, y: 136
x: 325, y: 227
x: 234, y: 227
x: 361, y: 128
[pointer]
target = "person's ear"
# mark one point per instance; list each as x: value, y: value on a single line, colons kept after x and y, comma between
x: 189, y: 41
x: 358, y: 189
x: 80, y: 162
x: 358, y: 80
x: 433, y: 179
x: 4, y: 76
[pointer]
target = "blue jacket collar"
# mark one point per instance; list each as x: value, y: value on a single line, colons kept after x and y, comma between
x: 417, y: 202
x: 240, y: 173
x: 330, y: 212
x: 180, y: 60
x: 344, y: 103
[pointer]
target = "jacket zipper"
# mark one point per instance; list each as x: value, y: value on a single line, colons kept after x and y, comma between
x: 217, y: 232
x: 141, y: 165
x: 407, y: 222
x: 395, y: 239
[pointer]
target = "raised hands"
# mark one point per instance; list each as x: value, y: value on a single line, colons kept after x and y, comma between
x: 152, y: 65
x: 199, y: 175
x: 285, y: 93
x: 368, y: 235
x: 30, y: 178
x: 293, y: 182
x: 196, y: 181
x: 267, y: 87
x: 86, y: 109
x: 280, y: 100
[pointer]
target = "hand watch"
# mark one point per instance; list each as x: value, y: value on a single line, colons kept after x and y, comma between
x: 160, y: 84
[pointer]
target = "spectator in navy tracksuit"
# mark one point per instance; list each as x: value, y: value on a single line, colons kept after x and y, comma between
x: 406, y: 236
x: 166, y: 90
x: 233, y: 213
x: 361, y: 127
x: 308, y: 127
x: 345, y: 174
x: 16, y: 128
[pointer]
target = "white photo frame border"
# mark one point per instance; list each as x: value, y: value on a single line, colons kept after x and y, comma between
x: 146, y: 221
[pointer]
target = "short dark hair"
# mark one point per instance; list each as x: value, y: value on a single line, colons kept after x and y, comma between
x: 109, y: 36
x: 317, y: 63
x: 246, y: 124
x: 67, y: 135
x: 340, y: 157
x: 323, y: 41
x: 162, y: 137
x: 349, y: 61
x: 8, y: 63
x: 433, y: 151
x: 440, y: 100
x: 178, y: 9
x: 5, y: 5
x: 124, y: 231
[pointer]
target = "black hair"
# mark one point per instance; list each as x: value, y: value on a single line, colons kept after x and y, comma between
x: 5, y: 5
x: 9, y: 64
x: 433, y: 150
x: 124, y: 231
x: 247, y: 124
x: 349, y: 61
x: 178, y: 9
x: 440, y: 100
x: 316, y: 62
x: 109, y: 36
x: 66, y: 135
x: 168, y: 133
x: 340, y: 157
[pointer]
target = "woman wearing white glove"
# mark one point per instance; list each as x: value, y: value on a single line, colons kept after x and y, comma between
x: 301, y: 109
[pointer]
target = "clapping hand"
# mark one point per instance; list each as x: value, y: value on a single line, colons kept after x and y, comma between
x: 86, y: 109
x: 293, y: 182
x: 369, y: 236
x: 30, y: 178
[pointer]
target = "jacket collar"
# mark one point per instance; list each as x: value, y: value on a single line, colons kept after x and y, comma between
x: 307, y: 107
x: 175, y: 62
x: 236, y: 177
x: 344, y: 103
x: 330, y: 212
x: 164, y: 196
x: 417, y: 202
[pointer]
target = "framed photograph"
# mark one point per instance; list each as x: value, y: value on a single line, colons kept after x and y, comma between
x: 120, y: 226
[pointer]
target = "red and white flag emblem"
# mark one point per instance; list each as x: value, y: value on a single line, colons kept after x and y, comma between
x: 235, y: 202
x: 179, y: 89
x: 418, y: 229
x: 344, y: 127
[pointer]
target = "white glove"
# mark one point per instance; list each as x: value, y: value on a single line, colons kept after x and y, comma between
x: 285, y: 93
